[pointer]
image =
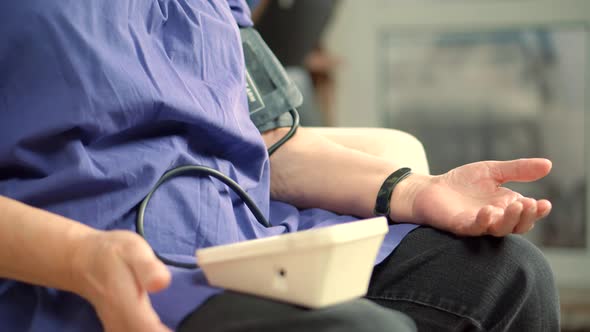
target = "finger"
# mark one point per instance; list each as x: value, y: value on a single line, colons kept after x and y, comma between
x: 505, y: 225
x: 519, y: 170
x: 543, y: 208
x: 131, y: 314
x: 124, y: 308
x: 139, y: 315
x: 528, y: 216
x: 485, y: 217
x: 149, y: 320
x: 149, y: 271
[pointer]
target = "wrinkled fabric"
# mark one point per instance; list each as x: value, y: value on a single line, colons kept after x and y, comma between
x: 97, y: 100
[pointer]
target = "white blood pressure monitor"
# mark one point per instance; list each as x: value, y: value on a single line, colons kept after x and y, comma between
x: 313, y: 268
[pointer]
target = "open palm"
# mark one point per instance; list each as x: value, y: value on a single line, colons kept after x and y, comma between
x: 469, y: 200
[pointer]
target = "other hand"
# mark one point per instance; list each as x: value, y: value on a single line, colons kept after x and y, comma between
x: 117, y: 270
x: 470, y: 200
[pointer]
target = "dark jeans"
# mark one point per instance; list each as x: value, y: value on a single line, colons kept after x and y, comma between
x: 448, y: 283
x: 443, y: 282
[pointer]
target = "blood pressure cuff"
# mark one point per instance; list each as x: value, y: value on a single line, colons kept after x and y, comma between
x: 271, y: 93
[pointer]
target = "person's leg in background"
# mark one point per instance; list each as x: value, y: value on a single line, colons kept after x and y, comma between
x: 449, y: 283
x: 234, y: 312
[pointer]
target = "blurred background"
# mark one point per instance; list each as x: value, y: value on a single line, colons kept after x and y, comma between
x: 473, y: 80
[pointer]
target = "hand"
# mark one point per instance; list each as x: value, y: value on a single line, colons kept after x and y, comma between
x: 469, y: 200
x: 117, y: 269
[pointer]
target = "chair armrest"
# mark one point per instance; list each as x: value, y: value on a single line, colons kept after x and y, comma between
x: 396, y: 145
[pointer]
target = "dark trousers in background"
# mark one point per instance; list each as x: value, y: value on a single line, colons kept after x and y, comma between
x: 440, y: 281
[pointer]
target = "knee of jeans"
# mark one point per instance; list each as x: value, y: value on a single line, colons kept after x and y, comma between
x: 524, y: 267
x: 521, y: 284
x: 365, y: 316
x: 529, y: 259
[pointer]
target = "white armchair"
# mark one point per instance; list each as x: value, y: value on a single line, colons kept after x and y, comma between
x: 389, y: 143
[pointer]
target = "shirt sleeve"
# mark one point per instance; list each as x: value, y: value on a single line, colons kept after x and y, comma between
x: 241, y: 13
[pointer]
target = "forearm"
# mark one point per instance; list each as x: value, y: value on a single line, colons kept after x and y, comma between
x: 37, y: 246
x: 312, y: 171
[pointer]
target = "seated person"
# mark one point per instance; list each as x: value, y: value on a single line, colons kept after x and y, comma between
x: 99, y: 98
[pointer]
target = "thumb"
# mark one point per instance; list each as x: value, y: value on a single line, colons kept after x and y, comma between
x: 519, y: 170
x: 149, y: 271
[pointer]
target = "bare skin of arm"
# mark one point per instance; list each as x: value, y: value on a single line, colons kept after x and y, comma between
x: 313, y: 171
x: 113, y: 270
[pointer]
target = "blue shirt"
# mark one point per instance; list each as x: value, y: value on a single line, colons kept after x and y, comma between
x: 97, y: 100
